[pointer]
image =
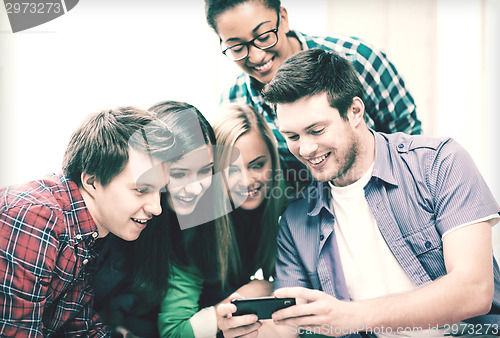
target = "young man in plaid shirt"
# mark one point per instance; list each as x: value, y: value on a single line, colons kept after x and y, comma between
x: 113, y: 171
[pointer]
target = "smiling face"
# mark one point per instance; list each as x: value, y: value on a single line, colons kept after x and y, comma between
x: 190, y: 177
x: 250, y: 176
x: 316, y: 134
x: 246, y: 21
x: 130, y: 199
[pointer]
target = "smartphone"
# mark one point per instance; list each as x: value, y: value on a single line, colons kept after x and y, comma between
x: 263, y: 307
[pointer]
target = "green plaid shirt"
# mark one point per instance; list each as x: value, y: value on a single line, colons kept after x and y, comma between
x: 389, y: 105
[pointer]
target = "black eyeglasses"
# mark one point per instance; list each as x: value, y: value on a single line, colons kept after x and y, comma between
x: 263, y: 41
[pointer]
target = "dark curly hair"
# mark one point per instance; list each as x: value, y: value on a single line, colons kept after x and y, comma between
x: 213, y: 8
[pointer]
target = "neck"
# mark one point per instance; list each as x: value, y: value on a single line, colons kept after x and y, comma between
x: 91, y: 207
x: 295, y: 45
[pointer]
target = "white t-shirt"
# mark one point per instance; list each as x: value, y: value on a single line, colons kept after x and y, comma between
x: 370, y: 268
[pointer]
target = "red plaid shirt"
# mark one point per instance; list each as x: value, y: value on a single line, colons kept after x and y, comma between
x: 46, y: 254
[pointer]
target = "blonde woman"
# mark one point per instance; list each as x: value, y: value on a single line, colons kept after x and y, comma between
x: 248, y: 160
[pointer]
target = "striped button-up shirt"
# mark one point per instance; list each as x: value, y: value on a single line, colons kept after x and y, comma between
x: 389, y: 105
x: 46, y: 252
x: 420, y: 188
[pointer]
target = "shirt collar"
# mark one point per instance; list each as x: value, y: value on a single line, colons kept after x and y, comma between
x: 382, y: 168
x: 318, y: 194
x: 84, y: 226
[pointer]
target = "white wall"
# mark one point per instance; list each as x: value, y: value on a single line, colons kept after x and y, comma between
x: 107, y: 53
x: 447, y: 52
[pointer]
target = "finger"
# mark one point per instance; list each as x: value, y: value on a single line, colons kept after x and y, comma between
x: 246, y: 331
x: 301, y: 310
x: 235, y: 296
x: 237, y: 321
x: 305, y: 321
x: 225, y: 310
x: 298, y: 292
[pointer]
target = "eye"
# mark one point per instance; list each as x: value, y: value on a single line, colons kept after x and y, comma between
x: 237, y: 48
x: 177, y: 175
x: 294, y: 137
x: 258, y: 165
x: 317, y: 131
x: 233, y: 170
x: 142, y: 190
x: 264, y: 37
x: 205, y: 171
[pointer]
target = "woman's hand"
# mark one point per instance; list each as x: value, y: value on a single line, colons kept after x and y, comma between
x: 238, y: 326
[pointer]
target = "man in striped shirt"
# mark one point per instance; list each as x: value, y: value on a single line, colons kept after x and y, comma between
x: 393, y: 238
x: 113, y: 171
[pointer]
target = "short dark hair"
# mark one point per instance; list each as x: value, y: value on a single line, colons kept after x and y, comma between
x: 313, y: 72
x: 213, y: 8
x: 100, y: 146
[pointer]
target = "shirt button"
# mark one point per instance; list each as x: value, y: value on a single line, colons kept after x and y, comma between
x: 321, y: 237
x: 428, y: 244
x: 78, y: 237
x: 95, y: 234
x: 401, y: 145
x: 85, y: 261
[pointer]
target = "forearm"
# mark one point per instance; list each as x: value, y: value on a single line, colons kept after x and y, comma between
x: 437, y: 303
x: 465, y: 291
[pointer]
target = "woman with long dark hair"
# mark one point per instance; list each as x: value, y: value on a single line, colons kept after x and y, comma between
x: 247, y: 162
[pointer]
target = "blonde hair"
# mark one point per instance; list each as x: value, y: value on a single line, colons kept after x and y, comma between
x: 232, y: 122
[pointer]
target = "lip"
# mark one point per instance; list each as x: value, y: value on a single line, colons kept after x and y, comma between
x: 140, y: 223
x: 248, y: 194
x: 264, y: 67
x: 186, y: 201
x: 322, y: 160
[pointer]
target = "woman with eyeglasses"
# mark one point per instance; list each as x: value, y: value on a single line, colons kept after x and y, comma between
x: 256, y: 35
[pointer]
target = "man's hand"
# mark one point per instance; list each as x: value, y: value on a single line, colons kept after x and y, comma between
x: 315, y: 310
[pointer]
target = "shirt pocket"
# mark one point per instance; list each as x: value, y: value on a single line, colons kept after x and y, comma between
x: 427, y: 246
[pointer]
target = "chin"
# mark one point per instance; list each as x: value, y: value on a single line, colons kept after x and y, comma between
x: 322, y: 175
x: 183, y: 212
x: 130, y: 237
x: 251, y: 205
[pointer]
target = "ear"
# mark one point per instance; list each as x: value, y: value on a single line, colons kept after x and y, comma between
x: 356, y: 112
x: 284, y: 24
x: 88, y: 183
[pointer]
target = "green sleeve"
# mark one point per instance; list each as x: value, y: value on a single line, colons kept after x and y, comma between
x: 180, y: 303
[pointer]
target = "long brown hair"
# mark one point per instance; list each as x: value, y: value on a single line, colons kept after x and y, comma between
x: 234, y: 121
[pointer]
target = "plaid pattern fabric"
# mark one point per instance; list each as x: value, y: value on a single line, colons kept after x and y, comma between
x: 46, y: 240
x: 389, y: 106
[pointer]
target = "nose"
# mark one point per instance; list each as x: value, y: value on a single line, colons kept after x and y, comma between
x: 153, y: 205
x: 246, y: 179
x: 255, y: 55
x: 194, y: 188
x: 307, y: 147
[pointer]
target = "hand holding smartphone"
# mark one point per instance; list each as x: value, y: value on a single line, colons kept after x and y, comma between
x: 263, y: 307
